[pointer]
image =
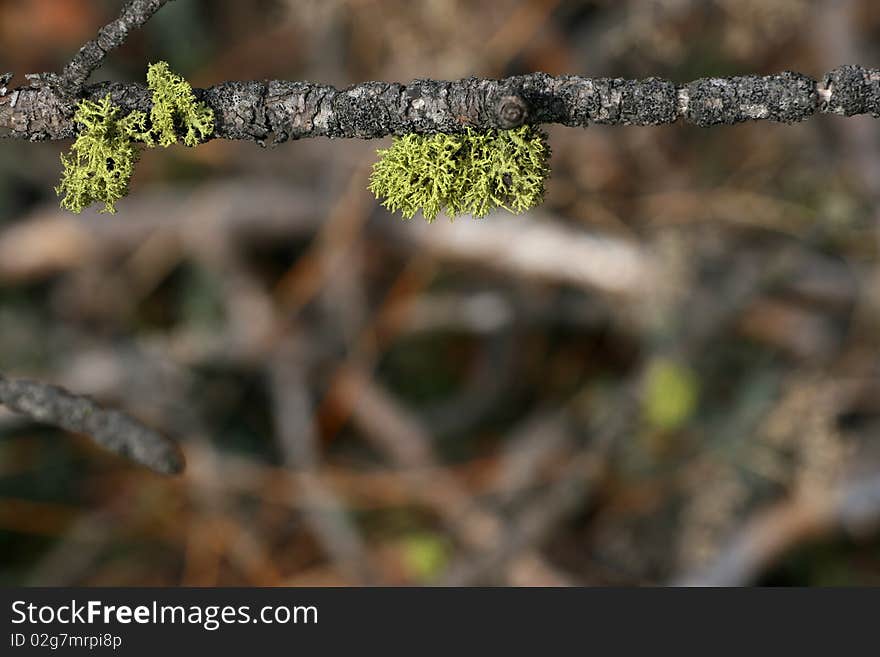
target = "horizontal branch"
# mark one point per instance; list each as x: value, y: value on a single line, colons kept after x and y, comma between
x: 271, y: 112
x: 112, y: 429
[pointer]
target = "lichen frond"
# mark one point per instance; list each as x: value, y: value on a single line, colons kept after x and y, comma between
x: 470, y: 173
x: 175, y: 108
x: 101, y: 161
x: 417, y: 173
x: 102, y: 158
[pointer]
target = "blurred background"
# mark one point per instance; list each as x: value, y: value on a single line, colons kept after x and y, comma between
x: 668, y: 373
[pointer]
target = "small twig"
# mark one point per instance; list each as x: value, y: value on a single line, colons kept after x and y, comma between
x: 90, y: 57
x: 854, y: 508
x: 530, y: 528
x: 538, y: 247
x: 112, y: 429
x: 244, y: 211
x: 76, y: 551
x: 296, y: 433
x: 478, y: 527
x: 572, y: 488
x: 400, y: 435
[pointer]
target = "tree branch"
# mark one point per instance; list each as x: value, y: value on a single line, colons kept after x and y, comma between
x: 90, y: 57
x: 853, y: 509
x: 271, y: 112
x: 112, y: 429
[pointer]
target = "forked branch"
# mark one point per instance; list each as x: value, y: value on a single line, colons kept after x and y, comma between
x: 90, y: 57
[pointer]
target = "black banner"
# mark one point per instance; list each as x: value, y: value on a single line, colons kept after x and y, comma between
x: 229, y: 621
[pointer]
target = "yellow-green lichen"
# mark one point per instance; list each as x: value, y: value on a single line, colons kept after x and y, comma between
x: 468, y: 173
x: 175, y: 108
x: 671, y: 395
x: 425, y: 556
x: 102, y: 158
x: 101, y: 161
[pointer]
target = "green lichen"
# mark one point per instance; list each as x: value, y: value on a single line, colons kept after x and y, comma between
x: 175, y: 108
x: 102, y: 158
x: 101, y: 161
x: 469, y: 173
x: 671, y: 395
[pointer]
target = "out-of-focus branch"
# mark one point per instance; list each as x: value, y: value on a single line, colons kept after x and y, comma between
x: 480, y: 529
x: 274, y: 111
x: 112, y: 429
x: 536, y: 247
x: 854, y: 508
x: 531, y: 526
x: 242, y: 211
x: 403, y: 438
x: 293, y: 414
x: 571, y: 489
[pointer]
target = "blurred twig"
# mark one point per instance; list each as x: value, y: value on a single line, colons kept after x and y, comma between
x: 326, y: 515
x: 112, y: 429
x: 241, y: 211
x: 536, y: 247
x: 853, y: 508
x: 400, y: 435
x: 570, y: 490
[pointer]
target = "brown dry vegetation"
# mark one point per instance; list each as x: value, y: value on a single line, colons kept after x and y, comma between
x: 667, y: 374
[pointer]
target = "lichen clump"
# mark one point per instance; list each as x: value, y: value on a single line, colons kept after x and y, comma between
x: 175, y: 107
x: 101, y: 162
x: 469, y: 173
x: 102, y: 158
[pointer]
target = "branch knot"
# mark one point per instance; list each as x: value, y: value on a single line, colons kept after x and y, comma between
x: 511, y: 112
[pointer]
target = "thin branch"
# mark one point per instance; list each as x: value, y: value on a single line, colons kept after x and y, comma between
x: 90, y: 57
x: 530, y: 527
x: 271, y: 112
x: 539, y: 247
x: 573, y: 488
x: 479, y: 527
x: 246, y: 211
x: 853, y: 509
x: 402, y: 437
x: 326, y: 514
x: 112, y: 429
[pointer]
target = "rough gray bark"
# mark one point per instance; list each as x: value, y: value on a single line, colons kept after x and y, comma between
x: 111, y: 429
x: 271, y: 112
